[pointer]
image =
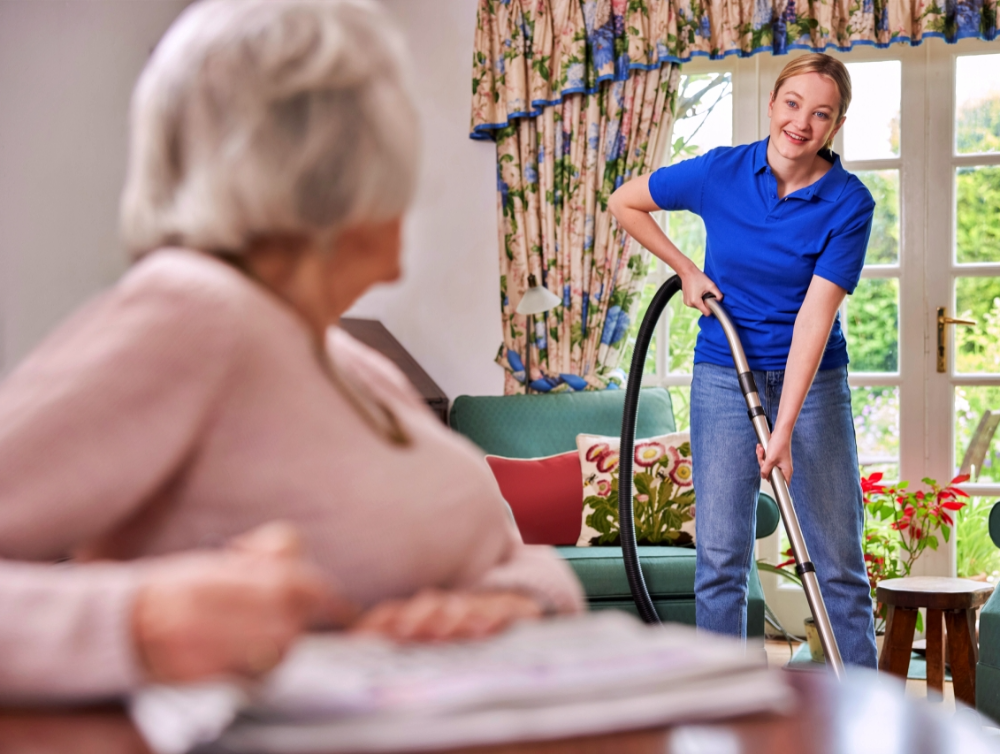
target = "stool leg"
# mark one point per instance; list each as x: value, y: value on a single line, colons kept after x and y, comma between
x: 961, y: 627
x: 898, y: 644
x: 935, y: 656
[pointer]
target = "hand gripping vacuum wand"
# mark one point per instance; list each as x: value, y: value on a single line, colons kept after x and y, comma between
x: 804, y: 566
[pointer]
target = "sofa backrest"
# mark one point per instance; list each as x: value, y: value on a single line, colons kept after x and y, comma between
x: 531, y: 426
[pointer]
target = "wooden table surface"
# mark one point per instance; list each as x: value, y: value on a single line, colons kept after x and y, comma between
x: 828, y: 719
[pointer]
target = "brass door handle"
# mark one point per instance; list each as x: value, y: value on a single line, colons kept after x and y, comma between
x: 942, y: 320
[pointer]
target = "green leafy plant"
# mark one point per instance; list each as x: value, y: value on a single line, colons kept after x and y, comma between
x: 663, y: 500
x: 900, y: 523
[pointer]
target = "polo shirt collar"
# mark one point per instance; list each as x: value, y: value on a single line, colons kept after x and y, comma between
x: 829, y: 187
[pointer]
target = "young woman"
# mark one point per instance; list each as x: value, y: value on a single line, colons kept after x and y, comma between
x: 787, y: 229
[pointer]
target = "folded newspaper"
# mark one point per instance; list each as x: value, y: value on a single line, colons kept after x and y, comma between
x: 549, y: 679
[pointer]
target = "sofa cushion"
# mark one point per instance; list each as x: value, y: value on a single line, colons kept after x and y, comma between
x: 664, y: 502
x: 995, y: 524
x: 669, y: 576
x: 668, y: 571
x: 544, y: 495
x: 531, y: 426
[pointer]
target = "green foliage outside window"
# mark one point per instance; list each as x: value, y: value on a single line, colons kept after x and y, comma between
x: 976, y: 552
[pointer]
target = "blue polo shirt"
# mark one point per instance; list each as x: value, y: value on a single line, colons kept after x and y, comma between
x: 762, y: 251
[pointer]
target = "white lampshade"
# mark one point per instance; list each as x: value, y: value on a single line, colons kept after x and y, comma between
x: 537, y: 298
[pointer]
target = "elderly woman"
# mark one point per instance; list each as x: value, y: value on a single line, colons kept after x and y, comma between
x: 273, y: 155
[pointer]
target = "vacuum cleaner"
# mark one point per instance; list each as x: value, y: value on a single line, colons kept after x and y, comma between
x: 804, y: 566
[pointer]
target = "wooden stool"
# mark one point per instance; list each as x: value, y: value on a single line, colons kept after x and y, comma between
x: 956, y: 600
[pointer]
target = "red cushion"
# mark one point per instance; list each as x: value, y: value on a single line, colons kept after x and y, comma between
x: 545, y: 494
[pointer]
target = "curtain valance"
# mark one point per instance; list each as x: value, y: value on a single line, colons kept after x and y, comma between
x: 532, y: 53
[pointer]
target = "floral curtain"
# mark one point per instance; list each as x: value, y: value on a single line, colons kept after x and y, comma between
x: 578, y: 96
x: 555, y: 174
x: 531, y: 53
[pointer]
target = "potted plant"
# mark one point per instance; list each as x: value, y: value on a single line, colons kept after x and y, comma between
x: 900, y: 525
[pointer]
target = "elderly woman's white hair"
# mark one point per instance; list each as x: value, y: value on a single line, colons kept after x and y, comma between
x: 262, y: 117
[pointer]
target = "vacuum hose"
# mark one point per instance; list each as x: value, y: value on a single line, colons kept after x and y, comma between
x: 626, y: 516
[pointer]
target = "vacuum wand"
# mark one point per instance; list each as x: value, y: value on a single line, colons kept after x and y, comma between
x: 804, y: 566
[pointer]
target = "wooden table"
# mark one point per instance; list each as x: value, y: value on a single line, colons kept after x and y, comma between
x: 951, y: 601
x: 828, y: 718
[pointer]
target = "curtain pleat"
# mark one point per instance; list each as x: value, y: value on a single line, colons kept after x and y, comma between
x: 555, y: 175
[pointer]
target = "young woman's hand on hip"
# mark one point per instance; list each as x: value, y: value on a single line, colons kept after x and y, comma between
x: 695, y: 285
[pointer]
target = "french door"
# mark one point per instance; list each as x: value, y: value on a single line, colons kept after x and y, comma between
x: 961, y: 260
x: 923, y: 133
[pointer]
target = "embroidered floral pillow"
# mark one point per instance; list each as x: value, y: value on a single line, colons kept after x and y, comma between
x: 663, y: 490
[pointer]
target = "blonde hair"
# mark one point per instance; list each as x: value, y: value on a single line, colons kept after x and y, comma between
x: 262, y: 117
x: 817, y: 62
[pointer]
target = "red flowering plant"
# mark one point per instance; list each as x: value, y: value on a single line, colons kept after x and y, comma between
x: 900, y: 524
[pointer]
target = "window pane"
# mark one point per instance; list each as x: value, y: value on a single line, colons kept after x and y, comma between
x: 688, y: 232
x: 681, y: 399
x: 977, y: 555
x: 872, y: 128
x: 977, y: 348
x: 704, y: 115
x: 652, y: 285
x: 876, y: 424
x: 883, y: 246
x: 977, y: 104
x: 970, y: 404
x: 977, y: 214
x: 704, y: 121
x: 872, y: 326
x: 683, y: 334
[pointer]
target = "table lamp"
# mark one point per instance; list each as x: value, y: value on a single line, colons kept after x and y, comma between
x: 536, y: 299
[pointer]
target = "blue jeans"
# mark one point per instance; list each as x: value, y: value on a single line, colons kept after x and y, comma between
x: 825, y: 488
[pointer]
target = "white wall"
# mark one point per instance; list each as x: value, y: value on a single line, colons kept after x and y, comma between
x: 66, y: 72
x: 446, y: 311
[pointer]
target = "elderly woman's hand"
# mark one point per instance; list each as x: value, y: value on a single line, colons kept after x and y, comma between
x: 434, y: 615
x: 234, y: 611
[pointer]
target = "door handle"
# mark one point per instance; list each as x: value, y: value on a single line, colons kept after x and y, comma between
x: 942, y: 342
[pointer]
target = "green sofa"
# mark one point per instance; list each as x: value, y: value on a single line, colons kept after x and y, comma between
x: 532, y: 426
x: 988, y: 667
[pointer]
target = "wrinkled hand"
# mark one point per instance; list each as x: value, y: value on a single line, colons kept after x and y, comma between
x: 434, y: 615
x: 234, y: 611
x: 694, y: 285
x: 779, y: 453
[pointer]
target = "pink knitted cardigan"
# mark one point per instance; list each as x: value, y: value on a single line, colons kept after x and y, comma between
x: 187, y: 405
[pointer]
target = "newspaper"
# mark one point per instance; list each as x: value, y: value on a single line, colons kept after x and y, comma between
x: 590, y: 674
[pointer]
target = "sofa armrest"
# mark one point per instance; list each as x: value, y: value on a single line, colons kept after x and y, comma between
x: 989, y: 631
x: 767, y: 515
x: 995, y: 524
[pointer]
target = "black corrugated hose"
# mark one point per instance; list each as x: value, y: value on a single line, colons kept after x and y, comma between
x: 626, y: 517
